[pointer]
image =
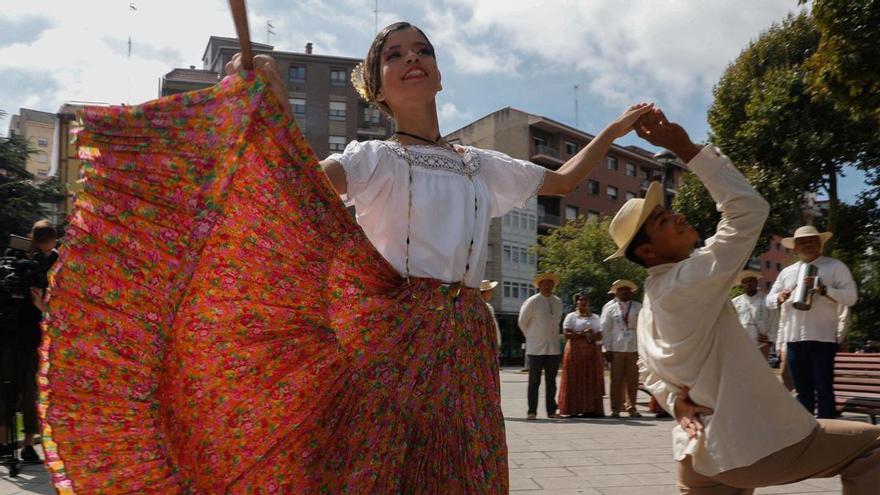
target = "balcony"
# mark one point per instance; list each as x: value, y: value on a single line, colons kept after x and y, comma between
x: 547, y: 220
x: 547, y: 154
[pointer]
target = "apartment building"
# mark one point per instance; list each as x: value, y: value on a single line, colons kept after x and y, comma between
x: 38, y: 128
x: 326, y: 105
x: 624, y: 173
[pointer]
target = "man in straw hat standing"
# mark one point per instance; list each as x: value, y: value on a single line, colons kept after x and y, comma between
x: 539, y: 319
x: 753, y: 313
x: 811, y: 337
x: 619, y: 320
x: 487, y: 288
x: 738, y: 427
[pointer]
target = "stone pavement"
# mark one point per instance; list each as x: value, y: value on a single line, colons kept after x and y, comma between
x: 604, y: 456
x: 558, y: 457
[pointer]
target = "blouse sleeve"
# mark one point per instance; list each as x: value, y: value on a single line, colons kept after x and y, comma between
x: 511, y: 182
x: 568, y: 323
x: 361, y: 162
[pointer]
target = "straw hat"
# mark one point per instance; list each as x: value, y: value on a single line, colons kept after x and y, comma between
x: 748, y: 274
x: 806, y: 231
x: 545, y: 276
x: 487, y: 285
x: 631, y: 216
x: 622, y: 283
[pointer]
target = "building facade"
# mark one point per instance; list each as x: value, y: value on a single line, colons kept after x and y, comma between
x: 624, y: 173
x: 38, y: 128
x: 326, y: 106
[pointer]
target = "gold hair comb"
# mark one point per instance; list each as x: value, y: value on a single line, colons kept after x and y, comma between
x: 360, y: 85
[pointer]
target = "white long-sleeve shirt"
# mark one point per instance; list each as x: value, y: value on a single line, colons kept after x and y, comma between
x: 689, y: 335
x: 822, y: 321
x: 753, y: 315
x: 619, y: 322
x: 539, y: 319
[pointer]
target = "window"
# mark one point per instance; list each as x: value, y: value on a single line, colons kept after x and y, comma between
x: 571, y: 212
x: 631, y: 169
x: 296, y: 73
x: 506, y: 289
x: 532, y: 221
x: 514, y: 219
x: 533, y: 260
x: 778, y: 267
x: 593, y: 216
x: 514, y: 292
x: 42, y: 142
x: 778, y: 246
x: 767, y: 264
x: 337, y: 77
x: 337, y: 110
x: 299, y: 106
x: 643, y: 174
x: 612, y: 193
x: 630, y: 195
x: 337, y: 143
x: 507, y: 218
x: 515, y: 255
x: 571, y: 148
x: 371, y: 115
x: 611, y: 162
x: 506, y: 251
x: 524, y: 256
x: 593, y: 187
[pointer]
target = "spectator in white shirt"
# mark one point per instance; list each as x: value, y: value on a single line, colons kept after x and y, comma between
x: 752, y: 310
x: 738, y: 427
x: 619, y: 320
x: 539, y: 319
x: 812, y: 337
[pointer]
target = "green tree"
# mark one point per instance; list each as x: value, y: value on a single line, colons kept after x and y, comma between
x: 20, y: 195
x: 846, y: 65
x: 787, y: 140
x: 576, y: 252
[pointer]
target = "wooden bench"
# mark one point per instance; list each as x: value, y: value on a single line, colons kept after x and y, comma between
x: 857, y: 384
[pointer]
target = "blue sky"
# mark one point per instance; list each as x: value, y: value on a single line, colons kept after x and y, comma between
x: 493, y: 53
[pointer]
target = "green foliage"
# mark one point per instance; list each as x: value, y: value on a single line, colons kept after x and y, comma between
x: 20, y: 195
x: 846, y: 66
x: 786, y: 140
x: 576, y: 252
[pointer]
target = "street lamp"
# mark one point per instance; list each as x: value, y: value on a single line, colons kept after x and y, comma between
x: 665, y: 158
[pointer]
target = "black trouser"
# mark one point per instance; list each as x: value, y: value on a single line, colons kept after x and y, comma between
x: 18, y: 372
x: 549, y: 363
x: 812, y: 368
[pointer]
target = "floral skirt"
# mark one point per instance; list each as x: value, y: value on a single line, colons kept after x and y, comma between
x: 583, y: 379
x: 220, y: 324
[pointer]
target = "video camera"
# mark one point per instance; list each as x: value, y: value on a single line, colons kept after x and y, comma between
x: 19, y: 271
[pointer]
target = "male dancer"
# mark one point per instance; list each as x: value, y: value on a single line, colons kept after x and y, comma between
x: 738, y: 428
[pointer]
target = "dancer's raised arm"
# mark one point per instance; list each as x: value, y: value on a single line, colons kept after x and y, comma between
x: 575, y: 170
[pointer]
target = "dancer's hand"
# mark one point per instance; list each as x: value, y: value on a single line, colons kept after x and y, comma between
x: 624, y: 124
x: 38, y: 299
x: 654, y: 128
x: 265, y: 66
x: 688, y: 414
x: 783, y: 296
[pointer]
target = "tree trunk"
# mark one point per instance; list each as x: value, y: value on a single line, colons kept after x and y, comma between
x: 833, y: 207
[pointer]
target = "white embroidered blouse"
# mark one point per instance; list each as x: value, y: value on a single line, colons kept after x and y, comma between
x: 443, y: 220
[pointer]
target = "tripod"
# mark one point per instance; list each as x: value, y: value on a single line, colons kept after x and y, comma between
x: 10, y: 394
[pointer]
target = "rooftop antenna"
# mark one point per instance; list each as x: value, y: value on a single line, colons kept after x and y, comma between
x: 269, y: 28
x: 577, y: 122
x: 131, y: 8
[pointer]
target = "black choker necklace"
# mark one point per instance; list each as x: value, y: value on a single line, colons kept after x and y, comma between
x: 420, y: 138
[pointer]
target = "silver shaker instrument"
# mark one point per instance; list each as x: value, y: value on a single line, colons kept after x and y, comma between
x: 803, y: 296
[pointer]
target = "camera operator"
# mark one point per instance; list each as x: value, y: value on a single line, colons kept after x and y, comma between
x: 21, y: 336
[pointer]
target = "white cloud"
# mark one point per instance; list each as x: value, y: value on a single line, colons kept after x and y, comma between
x: 451, y: 117
x: 624, y: 49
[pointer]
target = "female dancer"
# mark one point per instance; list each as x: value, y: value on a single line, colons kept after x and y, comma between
x: 583, y: 378
x: 270, y: 344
